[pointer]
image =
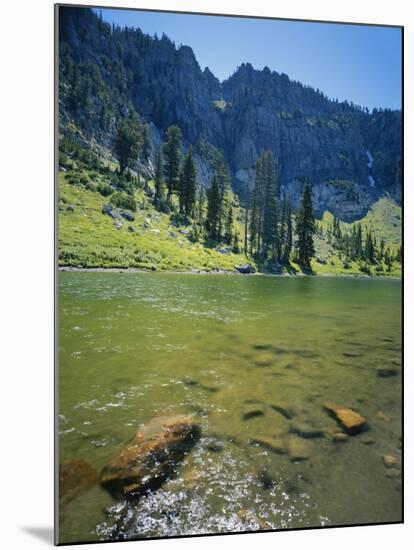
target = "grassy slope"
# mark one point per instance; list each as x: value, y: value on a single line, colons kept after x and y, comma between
x: 88, y: 238
x: 384, y: 218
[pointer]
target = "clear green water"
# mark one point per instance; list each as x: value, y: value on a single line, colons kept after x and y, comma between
x: 133, y: 346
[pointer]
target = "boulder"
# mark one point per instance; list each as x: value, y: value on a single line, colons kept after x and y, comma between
x: 349, y: 419
x: 115, y: 215
x: 127, y: 215
x: 151, y: 457
x: 245, y: 269
x: 131, y: 229
x: 107, y: 208
x: 76, y: 476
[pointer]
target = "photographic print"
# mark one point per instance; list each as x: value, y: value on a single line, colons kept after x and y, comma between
x: 229, y: 250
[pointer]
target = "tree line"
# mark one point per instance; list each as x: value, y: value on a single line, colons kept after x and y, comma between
x: 268, y: 220
x: 274, y: 234
x: 359, y: 245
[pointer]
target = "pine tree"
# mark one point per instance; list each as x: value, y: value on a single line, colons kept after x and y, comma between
x: 305, y: 229
x: 288, y: 240
x: 213, y: 208
x: 229, y: 226
x: 147, y: 142
x: 223, y: 182
x: 256, y: 217
x: 128, y: 140
x: 159, y: 173
x: 188, y: 184
x: 270, y: 237
x: 369, y: 252
x: 358, y: 242
x: 172, y: 159
x: 381, y: 249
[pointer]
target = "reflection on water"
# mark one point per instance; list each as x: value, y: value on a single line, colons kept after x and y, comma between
x: 253, y: 359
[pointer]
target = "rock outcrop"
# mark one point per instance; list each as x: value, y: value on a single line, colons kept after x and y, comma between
x: 151, y: 457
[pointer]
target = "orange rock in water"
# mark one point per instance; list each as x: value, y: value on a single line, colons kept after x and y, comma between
x: 350, y: 420
x: 151, y: 457
x: 75, y: 476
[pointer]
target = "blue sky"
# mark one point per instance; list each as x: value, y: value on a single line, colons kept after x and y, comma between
x: 358, y: 63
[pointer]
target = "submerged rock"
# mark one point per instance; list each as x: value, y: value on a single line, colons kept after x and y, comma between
x: 192, y: 478
x: 214, y: 445
x: 390, y: 461
x: 297, y: 449
x: 265, y: 479
x: 393, y: 473
x: 283, y: 409
x: 151, y: 457
x: 273, y: 444
x: 306, y: 430
x: 384, y: 417
x: 339, y: 437
x: 367, y: 441
x: 248, y: 518
x: 75, y: 477
x: 262, y: 347
x: 387, y: 373
x: 252, y: 413
x: 264, y: 360
x: 349, y: 419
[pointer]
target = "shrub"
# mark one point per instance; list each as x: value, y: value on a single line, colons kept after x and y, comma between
x: 91, y: 186
x: 122, y: 200
x: 104, y: 189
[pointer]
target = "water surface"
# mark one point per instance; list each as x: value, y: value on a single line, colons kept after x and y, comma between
x: 133, y: 346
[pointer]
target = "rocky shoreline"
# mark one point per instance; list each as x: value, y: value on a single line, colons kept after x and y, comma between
x: 217, y: 272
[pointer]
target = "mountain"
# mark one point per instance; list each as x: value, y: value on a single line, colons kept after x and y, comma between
x: 351, y: 156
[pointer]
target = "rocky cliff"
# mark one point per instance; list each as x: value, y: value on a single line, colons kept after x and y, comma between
x: 350, y: 155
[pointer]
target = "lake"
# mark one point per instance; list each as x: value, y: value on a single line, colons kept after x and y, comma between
x: 254, y: 359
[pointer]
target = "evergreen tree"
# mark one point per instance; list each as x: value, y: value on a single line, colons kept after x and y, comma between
x: 225, y: 196
x: 381, y: 249
x: 305, y: 229
x: 188, y: 184
x: 399, y: 256
x: 128, y: 140
x: 213, y: 208
x: 172, y: 159
x: 147, y: 142
x: 229, y: 226
x: 288, y: 239
x: 270, y: 238
x: 256, y: 217
x: 369, y: 252
x: 159, y: 176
